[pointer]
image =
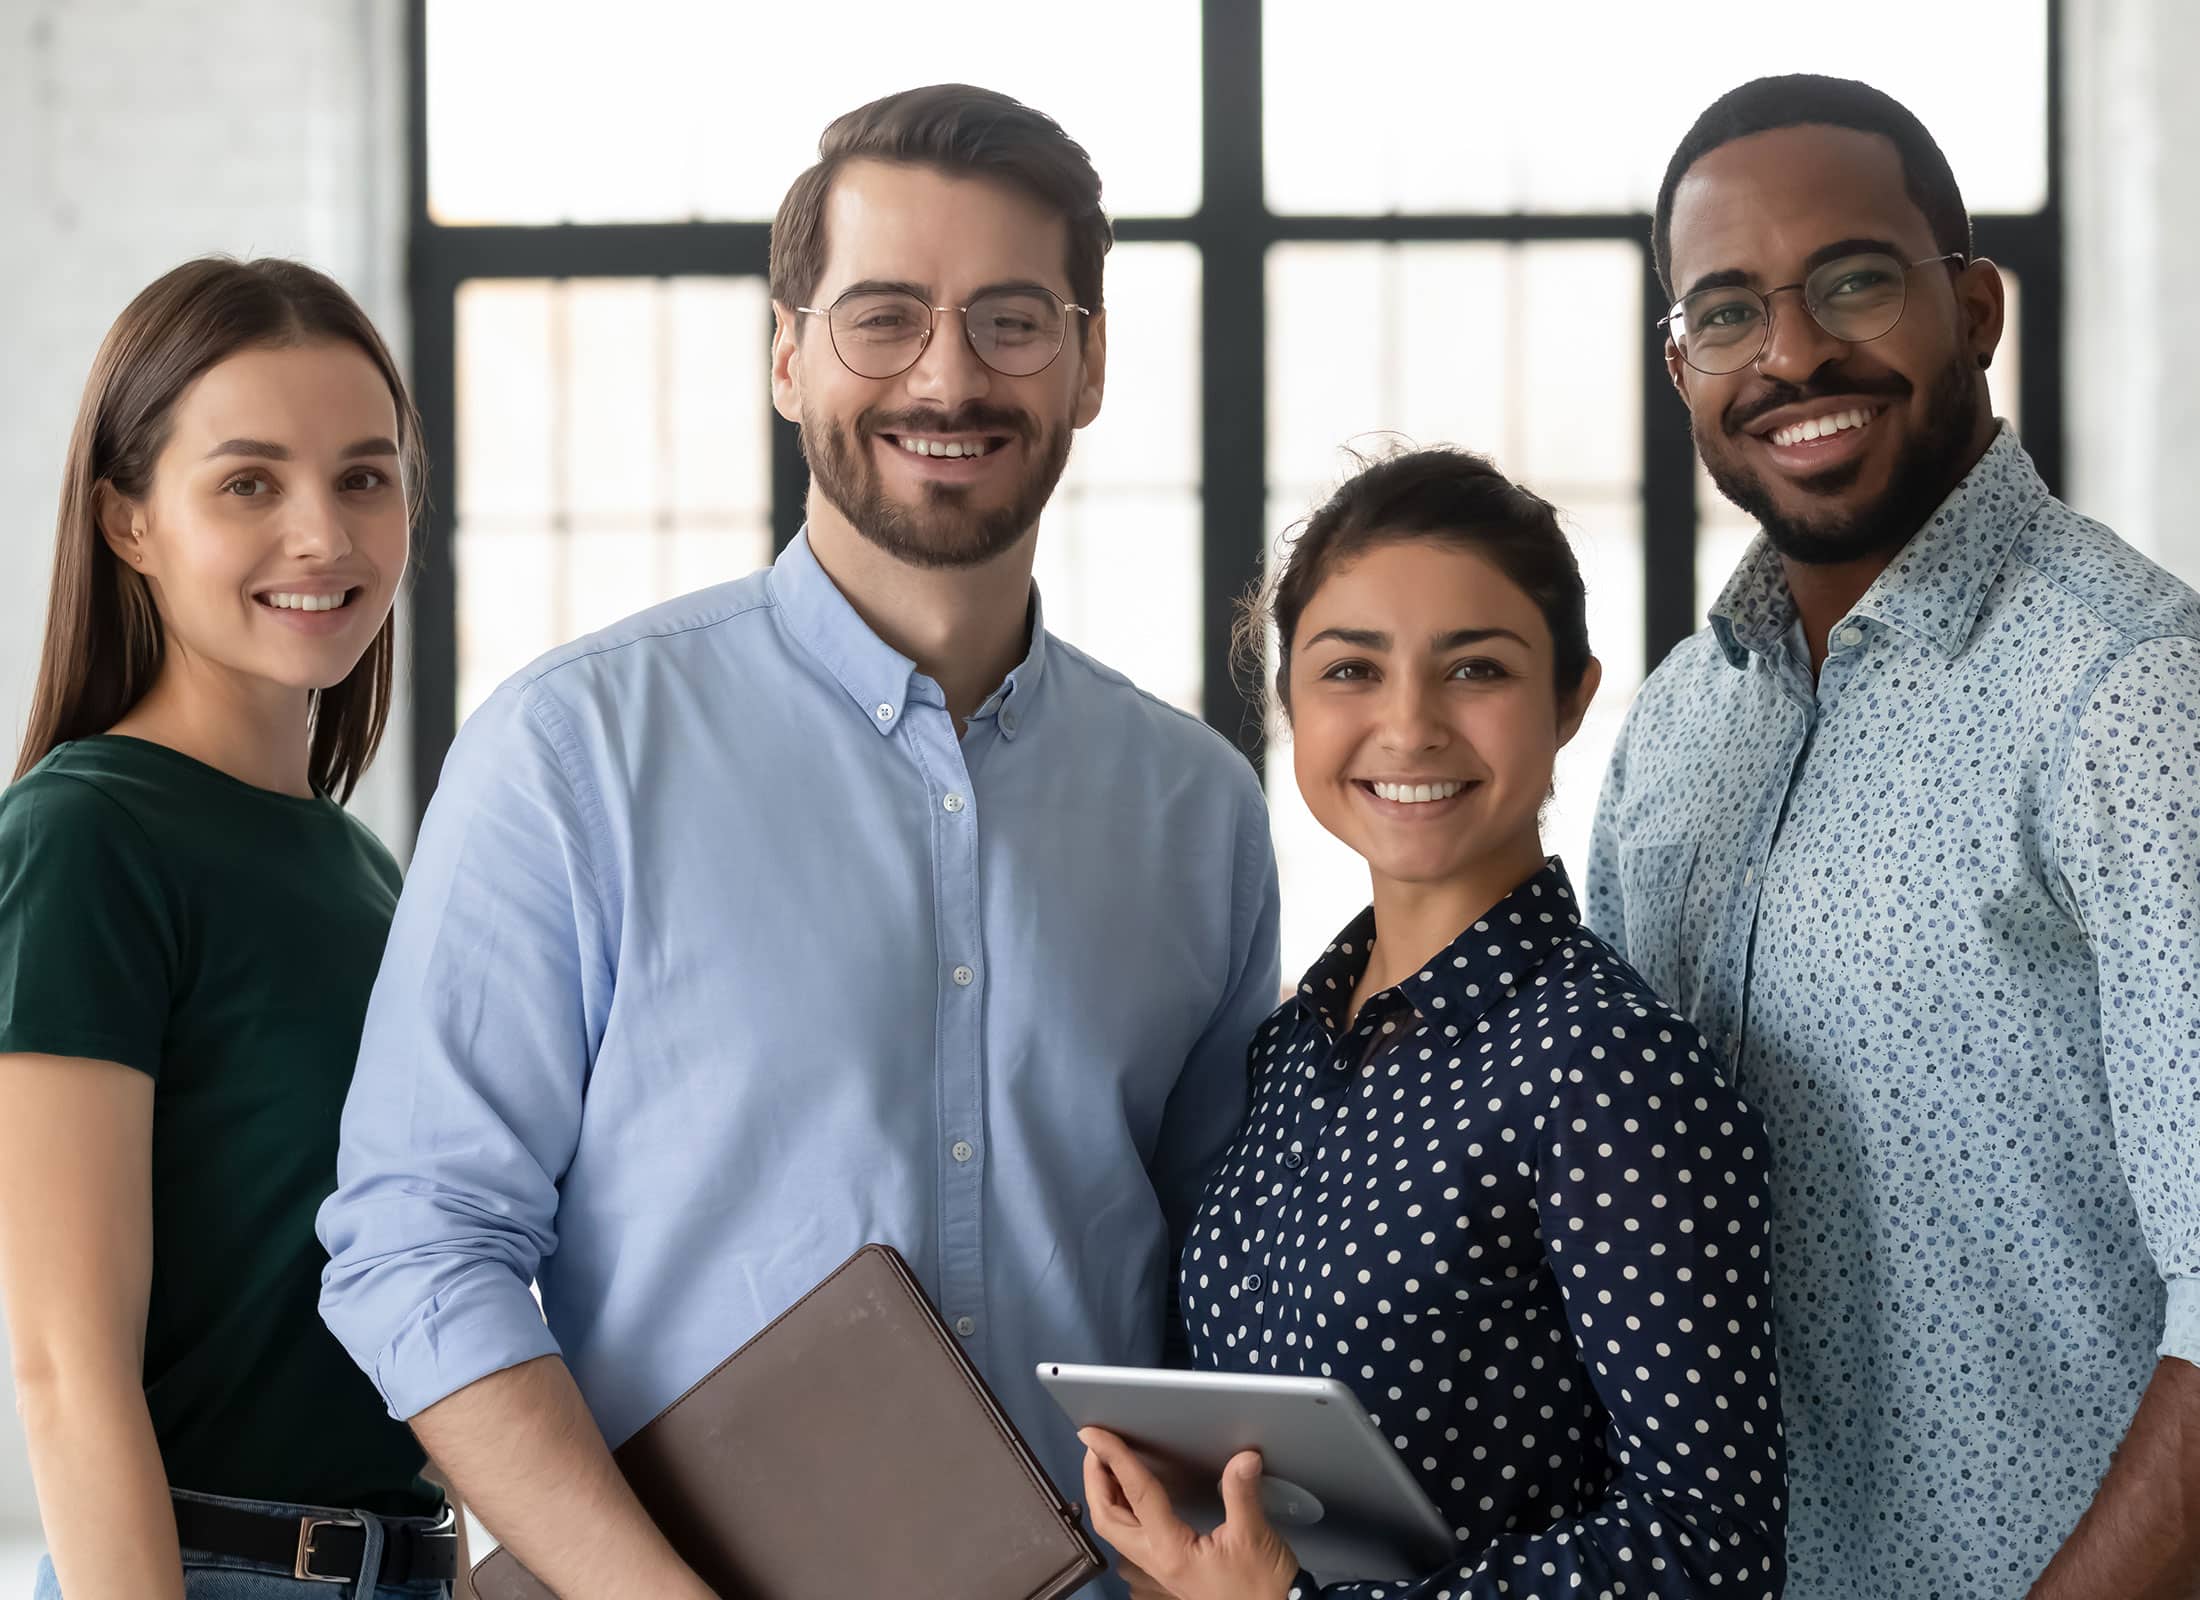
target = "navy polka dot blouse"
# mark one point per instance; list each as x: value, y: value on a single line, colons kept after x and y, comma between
x: 1513, y: 1206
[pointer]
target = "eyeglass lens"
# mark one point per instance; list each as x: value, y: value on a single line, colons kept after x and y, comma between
x: 1854, y: 298
x: 1016, y: 332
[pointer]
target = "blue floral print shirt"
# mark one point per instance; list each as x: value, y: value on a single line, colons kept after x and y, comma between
x: 1939, y: 914
x: 1512, y: 1206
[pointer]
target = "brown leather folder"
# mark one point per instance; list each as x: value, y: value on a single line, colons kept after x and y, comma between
x: 849, y: 1450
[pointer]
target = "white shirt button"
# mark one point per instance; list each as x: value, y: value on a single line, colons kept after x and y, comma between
x: 1749, y: 877
x: 966, y: 1326
x: 962, y: 1150
x: 885, y: 712
x: 1850, y: 637
x: 953, y: 802
x: 964, y: 977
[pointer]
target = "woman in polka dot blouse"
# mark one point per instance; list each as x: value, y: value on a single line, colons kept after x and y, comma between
x: 1488, y: 1178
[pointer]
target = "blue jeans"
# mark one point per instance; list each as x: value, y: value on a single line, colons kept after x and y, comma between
x: 207, y: 1576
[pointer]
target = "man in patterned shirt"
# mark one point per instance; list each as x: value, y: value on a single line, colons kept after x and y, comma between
x: 1912, y: 832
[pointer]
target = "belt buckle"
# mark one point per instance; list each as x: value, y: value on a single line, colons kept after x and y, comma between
x: 302, y: 1568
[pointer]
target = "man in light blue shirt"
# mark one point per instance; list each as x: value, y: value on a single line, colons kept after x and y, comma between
x: 1912, y: 832
x: 838, y: 904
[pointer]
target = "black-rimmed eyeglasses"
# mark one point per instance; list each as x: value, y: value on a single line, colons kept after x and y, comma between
x: 1854, y: 298
x: 882, y: 333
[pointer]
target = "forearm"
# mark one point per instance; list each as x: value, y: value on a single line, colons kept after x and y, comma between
x: 102, y: 1493
x: 523, y: 1451
x: 2140, y: 1539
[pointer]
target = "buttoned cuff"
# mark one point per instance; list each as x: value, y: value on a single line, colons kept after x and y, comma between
x: 483, y: 1323
x: 2181, y: 1328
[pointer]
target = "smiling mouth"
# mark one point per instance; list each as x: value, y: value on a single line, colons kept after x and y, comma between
x: 283, y: 600
x: 946, y: 449
x: 1855, y: 419
x: 1414, y: 794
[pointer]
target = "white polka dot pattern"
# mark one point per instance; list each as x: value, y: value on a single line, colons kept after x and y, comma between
x: 1516, y: 1210
x: 1945, y: 903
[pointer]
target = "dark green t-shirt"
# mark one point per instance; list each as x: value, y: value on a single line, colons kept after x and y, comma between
x: 221, y: 939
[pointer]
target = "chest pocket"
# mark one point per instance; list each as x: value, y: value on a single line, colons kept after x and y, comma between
x: 1653, y: 886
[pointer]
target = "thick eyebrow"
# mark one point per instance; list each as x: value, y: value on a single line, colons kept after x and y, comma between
x: 924, y: 293
x: 1732, y: 276
x: 1460, y: 638
x: 1016, y: 286
x: 1372, y: 639
x: 884, y: 286
x: 1852, y: 247
x: 261, y: 449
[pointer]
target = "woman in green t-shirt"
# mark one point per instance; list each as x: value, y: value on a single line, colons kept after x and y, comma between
x: 189, y: 926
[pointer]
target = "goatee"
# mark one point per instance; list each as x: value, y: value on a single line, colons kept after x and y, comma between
x: 1926, y: 474
x: 941, y: 530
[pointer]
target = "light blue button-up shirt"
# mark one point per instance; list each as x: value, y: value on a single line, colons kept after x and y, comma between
x: 1941, y: 910
x: 721, y: 955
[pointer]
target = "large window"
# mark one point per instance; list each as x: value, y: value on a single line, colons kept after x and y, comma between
x: 1430, y: 225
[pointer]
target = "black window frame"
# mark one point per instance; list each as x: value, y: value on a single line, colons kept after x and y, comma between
x: 1233, y: 230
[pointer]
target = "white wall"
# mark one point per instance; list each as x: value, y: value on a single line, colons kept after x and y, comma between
x: 2132, y: 333
x: 135, y: 134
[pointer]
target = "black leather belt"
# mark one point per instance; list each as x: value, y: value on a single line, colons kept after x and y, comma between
x: 320, y: 1549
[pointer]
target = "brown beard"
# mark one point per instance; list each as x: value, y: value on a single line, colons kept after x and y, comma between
x: 941, y: 530
x: 1926, y: 474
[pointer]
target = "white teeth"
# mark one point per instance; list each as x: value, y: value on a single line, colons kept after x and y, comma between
x: 949, y: 449
x: 1820, y: 427
x: 1416, y: 794
x: 304, y: 602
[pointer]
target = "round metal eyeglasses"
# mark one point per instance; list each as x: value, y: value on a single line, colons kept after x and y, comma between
x: 1855, y: 298
x: 882, y: 333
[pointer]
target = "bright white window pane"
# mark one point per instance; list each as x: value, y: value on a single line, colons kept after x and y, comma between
x: 508, y: 605
x: 572, y: 111
x: 614, y: 451
x: 505, y: 421
x: 1607, y: 538
x: 709, y: 322
x: 1119, y: 573
x: 1528, y: 353
x: 1491, y: 108
x: 610, y: 455
x: 1119, y: 562
x: 2005, y: 378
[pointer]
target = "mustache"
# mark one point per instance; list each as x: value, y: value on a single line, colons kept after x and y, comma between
x: 976, y: 417
x: 1822, y: 386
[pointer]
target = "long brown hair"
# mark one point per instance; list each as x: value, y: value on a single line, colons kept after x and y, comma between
x: 104, y: 641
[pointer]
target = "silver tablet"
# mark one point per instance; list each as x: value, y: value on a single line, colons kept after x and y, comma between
x: 1333, y: 1485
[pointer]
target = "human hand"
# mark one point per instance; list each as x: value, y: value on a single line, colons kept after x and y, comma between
x: 1143, y: 1585
x: 1244, y: 1559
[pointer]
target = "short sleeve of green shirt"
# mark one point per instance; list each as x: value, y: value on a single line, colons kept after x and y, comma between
x: 87, y: 927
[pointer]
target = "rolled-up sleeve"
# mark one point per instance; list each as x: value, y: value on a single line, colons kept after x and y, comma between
x: 2127, y: 847
x: 466, y: 1106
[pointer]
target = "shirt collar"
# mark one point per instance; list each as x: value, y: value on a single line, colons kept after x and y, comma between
x: 1012, y: 704
x: 879, y: 678
x: 1476, y: 971
x: 1935, y: 585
